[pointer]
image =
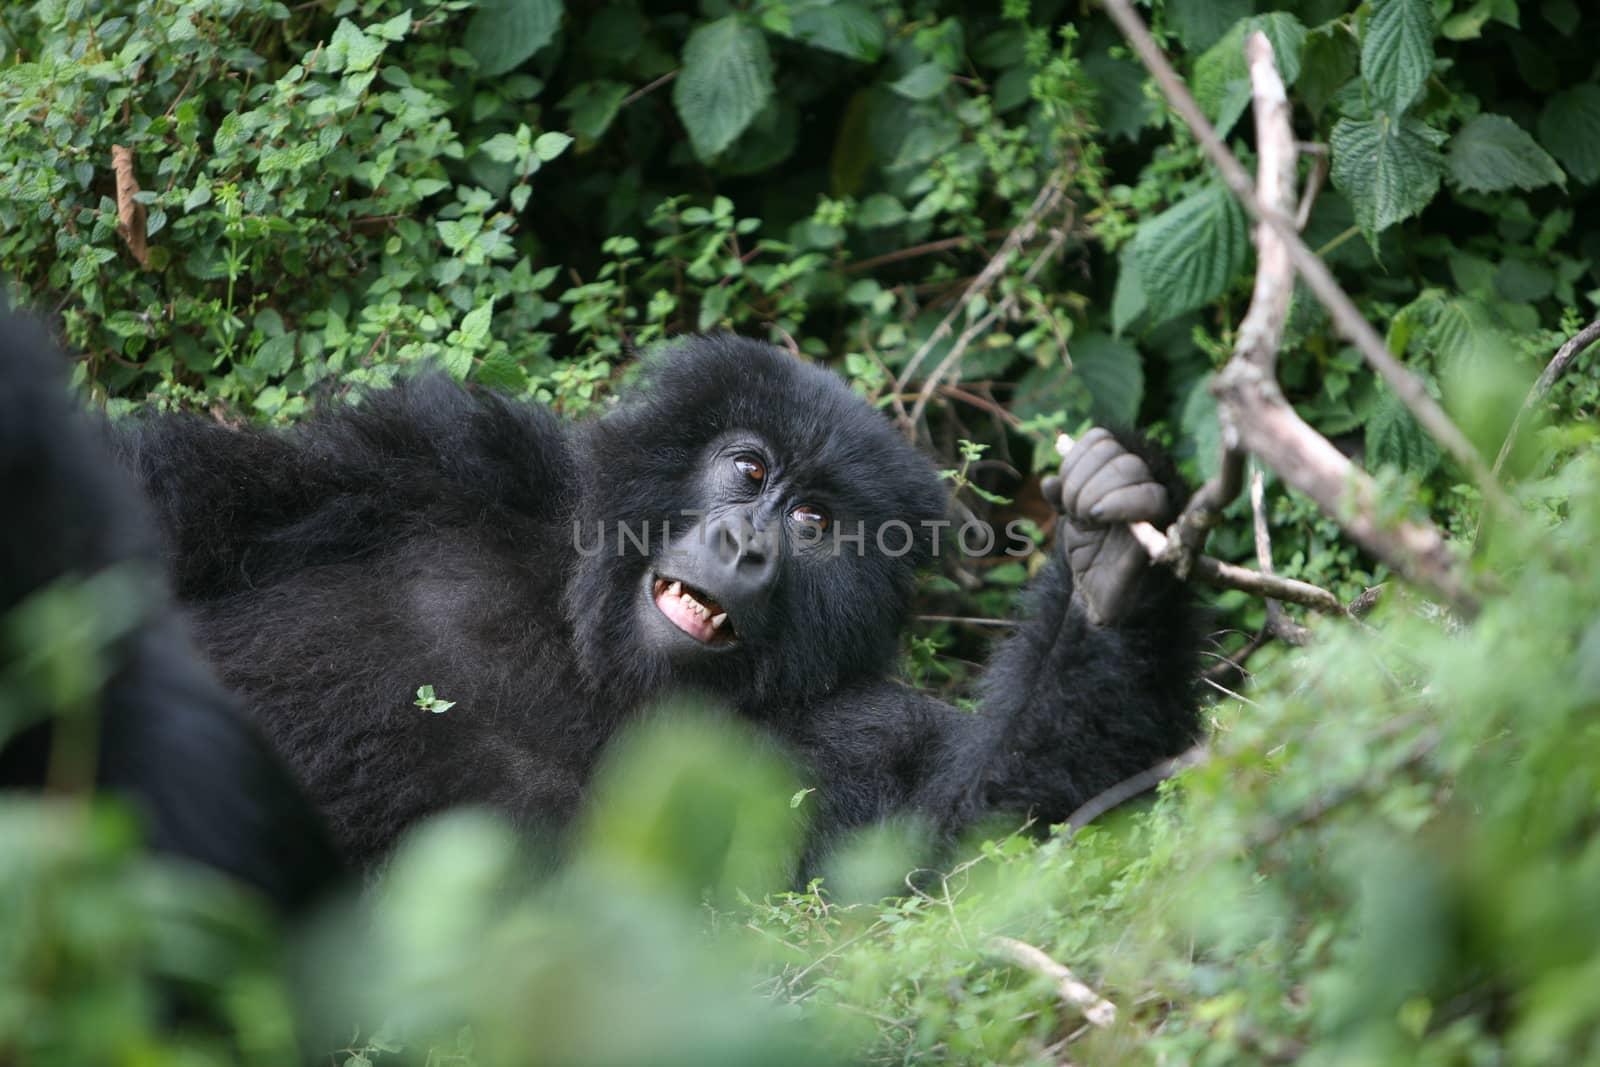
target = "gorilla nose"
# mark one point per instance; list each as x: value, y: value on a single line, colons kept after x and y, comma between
x: 746, y: 555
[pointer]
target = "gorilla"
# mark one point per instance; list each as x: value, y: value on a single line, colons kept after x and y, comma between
x: 741, y: 524
x: 166, y: 735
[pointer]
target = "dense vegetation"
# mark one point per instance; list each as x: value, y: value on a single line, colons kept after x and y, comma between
x: 1390, y: 853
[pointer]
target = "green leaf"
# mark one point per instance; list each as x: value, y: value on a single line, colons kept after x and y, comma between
x: 1119, y: 84
x: 1201, y: 23
x: 502, y: 148
x: 1396, y: 52
x: 593, y: 106
x: 351, y: 50
x: 923, y: 82
x: 1128, y: 301
x: 1569, y: 126
x: 1186, y: 255
x: 1388, y: 170
x: 1221, y: 77
x: 1395, y: 438
x: 548, y: 146
x: 1199, y: 424
x: 503, y: 33
x: 847, y: 29
x: 725, y: 82
x: 1491, y: 153
x: 1112, y: 372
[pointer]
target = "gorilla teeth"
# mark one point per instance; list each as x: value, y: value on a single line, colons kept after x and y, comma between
x: 718, y: 620
x: 675, y: 589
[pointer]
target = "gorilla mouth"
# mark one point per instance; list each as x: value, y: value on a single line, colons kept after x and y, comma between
x: 693, y: 611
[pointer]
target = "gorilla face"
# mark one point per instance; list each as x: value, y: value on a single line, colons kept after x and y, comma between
x: 764, y: 548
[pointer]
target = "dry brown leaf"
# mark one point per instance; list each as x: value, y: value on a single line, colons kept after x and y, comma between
x: 130, y: 213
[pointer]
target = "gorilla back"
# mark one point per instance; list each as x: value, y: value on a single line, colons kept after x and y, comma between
x: 741, y: 524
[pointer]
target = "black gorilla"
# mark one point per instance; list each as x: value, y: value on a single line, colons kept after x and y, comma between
x: 168, y: 737
x: 742, y: 524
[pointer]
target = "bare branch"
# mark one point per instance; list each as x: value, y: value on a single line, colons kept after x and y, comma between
x: 1574, y: 347
x: 1226, y: 575
x: 1129, y: 788
x: 1042, y: 204
x: 130, y: 212
x: 1347, y: 319
x: 1091, y: 1005
x: 1279, y: 624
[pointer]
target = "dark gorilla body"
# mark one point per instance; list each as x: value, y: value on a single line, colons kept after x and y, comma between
x: 167, y: 736
x: 486, y: 548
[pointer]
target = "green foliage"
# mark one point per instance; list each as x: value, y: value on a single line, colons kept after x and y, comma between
x: 1386, y: 859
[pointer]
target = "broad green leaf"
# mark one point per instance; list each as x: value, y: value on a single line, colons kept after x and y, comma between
x: 846, y: 29
x: 502, y: 148
x: 1329, y: 63
x: 351, y: 50
x: 1128, y: 301
x: 1199, y: 424
x: 1111, y: 370
x: 1491, y: 153
x: 922, y: 82
x: 1396, y: 53
x: 1124, y: 107
x: 1388, y: 170
x: 725, y: 82
x: 1201, y: 23
x: 548, y: 146
x: 1186, y: 255
x: 503, y: 33
x: 593, y: 107
x: 1221, y: 78
x: 1570, y: 128
x: 1395, y: 438
x: 880, y: 209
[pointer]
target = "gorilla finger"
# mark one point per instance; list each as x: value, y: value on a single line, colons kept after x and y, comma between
x: 1050, y: 489
x: 1082, y: 464
x: 1140, y: 502
x: 1122, y: 470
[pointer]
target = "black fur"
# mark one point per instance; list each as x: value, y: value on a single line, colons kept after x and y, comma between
x: 169, y: 739
x: 427, y: 537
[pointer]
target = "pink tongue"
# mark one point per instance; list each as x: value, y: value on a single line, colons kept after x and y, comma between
x: 684, y: 617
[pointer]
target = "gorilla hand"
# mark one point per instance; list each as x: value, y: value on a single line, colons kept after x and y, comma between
x: 1102, y: 487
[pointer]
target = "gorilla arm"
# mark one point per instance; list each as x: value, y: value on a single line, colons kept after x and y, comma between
x: 1095, y: 686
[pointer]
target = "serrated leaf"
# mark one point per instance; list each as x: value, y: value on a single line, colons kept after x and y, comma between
x: 351, y: 50
x: 1569, y: 126
x: 1186, y: 255
x: 1396, y: 53
x: 503, y: 33
x: 1114, y: 375
x: 725, y: 81
x: 1388, y: 170
x: 1128, y: 300
x: 1395, y: 438
x: 922, y: 82
x: 847, y: 29
x: 1119, y: 84
x: 1491, y: 153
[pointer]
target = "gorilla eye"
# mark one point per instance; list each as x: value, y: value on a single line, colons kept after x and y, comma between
x: 809, y: 515
x: 751, y: 467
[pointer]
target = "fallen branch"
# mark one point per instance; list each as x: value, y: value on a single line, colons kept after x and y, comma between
x: 1575, y: 346
x: 1227, y: 575
x: 1347, y: 319
x: 1091, y: 1005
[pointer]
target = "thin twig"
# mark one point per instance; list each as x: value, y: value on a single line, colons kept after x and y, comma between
x: 1347, y: 319
x: 1279, y: 624
x: 944, y: 244
x: 1227, y: 575
x: 1073, y: 992
x: 1575, y: 346
x: 1129, y: 788
x: 1020, y: 235
x: 1005, y: 308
